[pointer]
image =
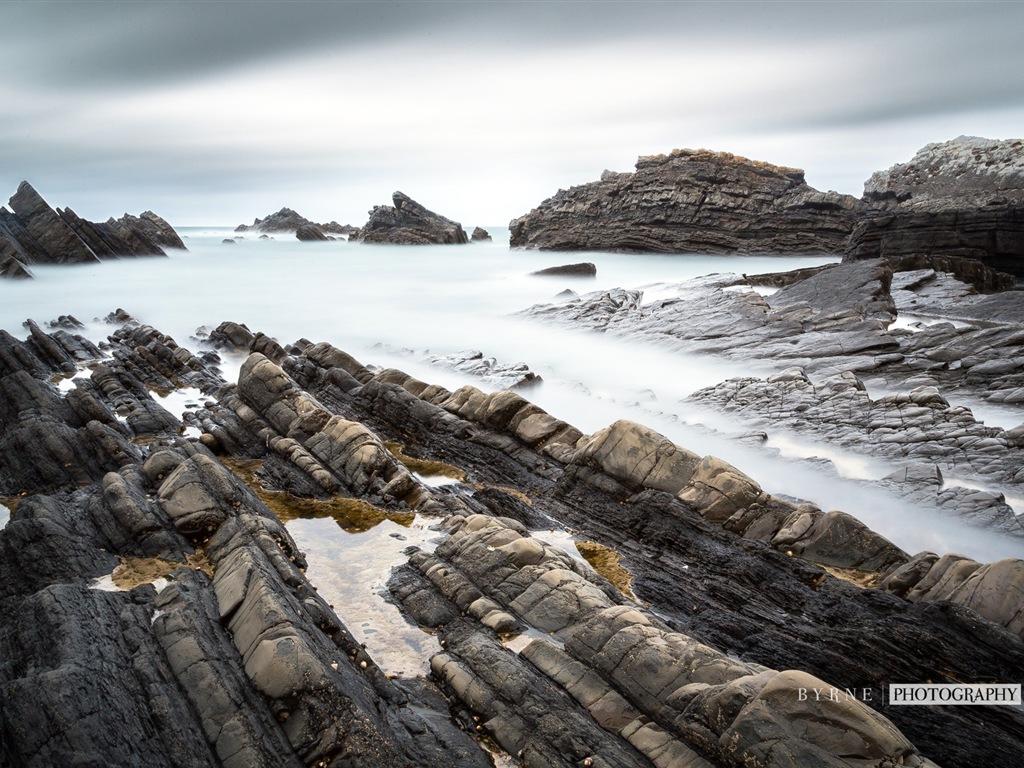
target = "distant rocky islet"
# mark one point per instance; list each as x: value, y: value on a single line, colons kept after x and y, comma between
x: 405, y: 222
x: 749, y: 596
x: 32, y: 232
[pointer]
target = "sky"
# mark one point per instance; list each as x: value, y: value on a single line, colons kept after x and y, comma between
x: 220, y: 112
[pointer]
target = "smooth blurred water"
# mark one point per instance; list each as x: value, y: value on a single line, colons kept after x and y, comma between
x: 392, y: 305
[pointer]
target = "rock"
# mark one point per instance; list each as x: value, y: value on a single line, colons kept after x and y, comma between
x: 995, y: 591
x: 638, y: 456
x: 585, y: 269
x: 539, y: 651
x: 717, y: 490
x: 918, y: 428
x: 234, y: 337
x: 960, y: 199
x: 50, y: 232
x: 287, y: 220
x: 409, y: 223
x: 35, y: 233
x: 864, y: 290
x: 620, y: 665
x: 492, y: 373
x: 310, y: 232
x: 479, y: 233
x: 692, y: 201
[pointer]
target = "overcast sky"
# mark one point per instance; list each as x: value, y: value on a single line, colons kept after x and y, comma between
x: 216, y: 113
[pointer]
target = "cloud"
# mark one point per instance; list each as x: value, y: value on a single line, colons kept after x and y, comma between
x: 210, y: 109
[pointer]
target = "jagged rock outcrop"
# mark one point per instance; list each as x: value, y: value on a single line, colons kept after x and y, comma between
x: 310, y: 233
x: 287, y: 220
x: 666, y: 695
x: 409, y: 223
x: 479, y: 234
x: 960, y: 199
x: 238, y: 660
x: 34, y: 233
x: 692, y: 201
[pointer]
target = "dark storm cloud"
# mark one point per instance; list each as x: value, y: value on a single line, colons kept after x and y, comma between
x: 96, y: 42
x: 171, y: 101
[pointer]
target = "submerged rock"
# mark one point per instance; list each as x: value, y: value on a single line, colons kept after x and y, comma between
x: 583, y: 269
x: 409, y: 223
x: 692, y: 201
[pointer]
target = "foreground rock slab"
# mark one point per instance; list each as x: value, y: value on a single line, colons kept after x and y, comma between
x: 237, y: 660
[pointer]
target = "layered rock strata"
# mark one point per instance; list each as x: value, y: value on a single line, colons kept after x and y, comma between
x: 242, y: 663
x: 918, y: 429
x: 960, y: 199
x: 819, y: 339
x: 692, y: 201
x: 34, y: 233
x: 406, y: 222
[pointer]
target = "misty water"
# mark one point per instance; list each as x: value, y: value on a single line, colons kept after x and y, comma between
x: 392, y: 306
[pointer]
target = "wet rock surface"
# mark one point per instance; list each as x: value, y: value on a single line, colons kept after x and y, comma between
x: 406, y: 222
x: 237, y: 660
x: 34, y: 233
x: 927, y: 339
x: 692, y: 201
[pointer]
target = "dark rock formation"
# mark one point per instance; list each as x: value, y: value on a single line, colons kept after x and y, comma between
x: 961, y: 199
x: 35, y: 233
x: 479, y: 233
x: 692, y: 202
x: 583, y: 269
x: 827, y: 334
x: 234, y: 659
x: 287, y: 220
x: 310, y: 233
x: 409, y: 223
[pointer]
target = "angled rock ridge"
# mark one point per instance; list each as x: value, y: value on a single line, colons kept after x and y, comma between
x: 960, y: 199
x: 409, y: 223
x: 241, y: 662
x: 32, y: 232
x: 237, y: 660
x: 692, y: 201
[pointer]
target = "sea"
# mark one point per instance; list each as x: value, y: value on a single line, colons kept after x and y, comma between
x: 396, y: 306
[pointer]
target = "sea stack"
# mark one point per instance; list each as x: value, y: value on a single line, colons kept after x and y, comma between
x: 692, y: 201
x: 409, y: 223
